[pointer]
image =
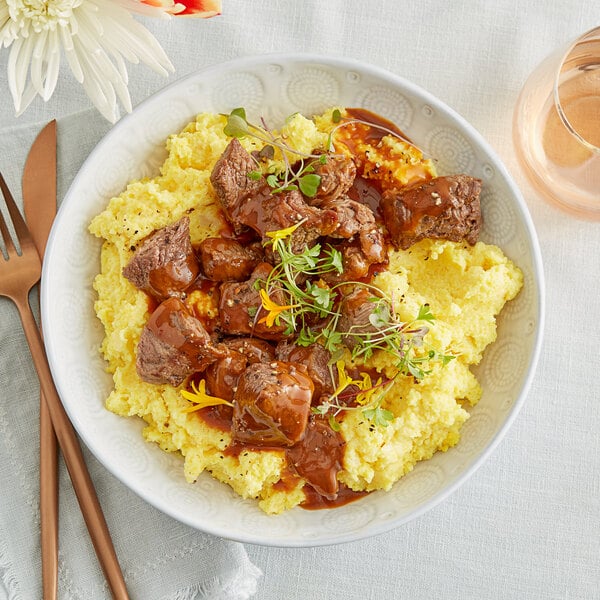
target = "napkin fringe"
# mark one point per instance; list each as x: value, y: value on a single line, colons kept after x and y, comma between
x: 241, y: 587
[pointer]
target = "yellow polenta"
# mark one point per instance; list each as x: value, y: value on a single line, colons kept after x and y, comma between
x: 466, y: 287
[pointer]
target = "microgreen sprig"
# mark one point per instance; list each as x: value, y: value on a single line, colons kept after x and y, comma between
x: 300, y: 176
x: 298, y: 277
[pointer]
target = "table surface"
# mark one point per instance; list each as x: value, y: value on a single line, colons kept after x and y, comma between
x: 527, y: 524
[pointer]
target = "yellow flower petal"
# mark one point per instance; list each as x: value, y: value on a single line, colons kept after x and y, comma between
x: 200, y: 398
x: 281, y: 234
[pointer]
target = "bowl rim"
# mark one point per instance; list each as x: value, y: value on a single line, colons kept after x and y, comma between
x: 375, y: 527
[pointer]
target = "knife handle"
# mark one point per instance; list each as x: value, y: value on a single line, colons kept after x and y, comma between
x: 71, y: 451
x: 48, y: 503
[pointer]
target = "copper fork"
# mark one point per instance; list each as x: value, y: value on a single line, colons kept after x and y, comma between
x: 19, y: 272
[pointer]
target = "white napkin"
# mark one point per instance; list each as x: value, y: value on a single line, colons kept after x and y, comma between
x: 160, y: 557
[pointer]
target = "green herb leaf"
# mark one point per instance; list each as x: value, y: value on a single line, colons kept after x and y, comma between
x: 333, y: 423
x: 272, y: 181
x: 236, y: 126
x: 336, y: 116
x: 239, y: 112
x: 379, y: 416
x: 309, y: 184
x: 425, y: 314
x: 306, y: 337
x: 254, y: 175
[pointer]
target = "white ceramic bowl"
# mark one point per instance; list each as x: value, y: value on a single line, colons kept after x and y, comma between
x: 275, y: 86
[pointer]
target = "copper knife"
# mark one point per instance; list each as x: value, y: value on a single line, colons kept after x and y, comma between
x: 39, y: 202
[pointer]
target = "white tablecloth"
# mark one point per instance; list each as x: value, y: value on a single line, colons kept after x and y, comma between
x: 527, y: 524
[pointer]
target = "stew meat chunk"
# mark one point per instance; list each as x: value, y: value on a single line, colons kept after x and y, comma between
x: 227, y: 260
x: 165, y: 264
x: 272, y: 404
x: 223, y: 375
x: 442, y: 208
x: 174, y: 344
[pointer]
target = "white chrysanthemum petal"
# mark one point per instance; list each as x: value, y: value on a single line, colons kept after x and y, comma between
x: 70, y: 54
x: 53, y: 65
x: 74, y: 24
x: 119, y: 63
x: 156, y: 59
x: 98, y: 38
x: 13, y: 77
x: 90, y: 18
x: 115, y: 43
x: 37, y: 62
x: 18, y: 67
x: 95, y: 87
x: 108, y: 70
x: 28, y: 95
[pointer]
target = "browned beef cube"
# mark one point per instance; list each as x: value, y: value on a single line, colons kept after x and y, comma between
x: 173, y: 345
x: 337, y: 176
x: 444, y: 208
x: 272, y: 404
x: 355, y: 310
x: 353, y: 217
x: 267, y: 211
x: 165, y: 264
x: 358, y: 255
x: 227, y: 260
x: 223, y: 375
x: 316, y: 360
x: 231, y: 182
x: 241, y: 311
x: 318, y: 457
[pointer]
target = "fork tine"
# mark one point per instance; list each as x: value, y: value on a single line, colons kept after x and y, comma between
x: 21, y: 229
x: 10, y: 247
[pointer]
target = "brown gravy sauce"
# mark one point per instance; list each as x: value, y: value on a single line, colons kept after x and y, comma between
x: 318, y: 457
x: 316, y: 501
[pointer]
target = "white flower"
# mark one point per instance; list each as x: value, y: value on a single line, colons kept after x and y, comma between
x: 96, y: 38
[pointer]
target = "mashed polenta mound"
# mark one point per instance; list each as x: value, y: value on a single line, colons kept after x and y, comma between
x: 464, y: 286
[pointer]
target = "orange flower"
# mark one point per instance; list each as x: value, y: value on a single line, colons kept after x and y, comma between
x: 201, y: 8
x: 191, y: 8
x: 274, y: 309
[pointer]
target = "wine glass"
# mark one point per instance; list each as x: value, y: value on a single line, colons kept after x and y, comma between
x: 556, y: 126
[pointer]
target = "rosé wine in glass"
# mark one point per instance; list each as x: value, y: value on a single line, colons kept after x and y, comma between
x: 556, y: 126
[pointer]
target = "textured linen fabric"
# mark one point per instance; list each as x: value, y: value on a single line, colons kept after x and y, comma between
x: 161, y: 558
x: 527, y: 524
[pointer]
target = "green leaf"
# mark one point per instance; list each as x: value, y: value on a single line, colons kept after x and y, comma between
x: 309, y: 184
x: 236, y: 126
x: 380, y: 317
x: 336, y: 116
x: 336, y: 259
x: 321, y: 295
x: 333, y: 339
x: 379, y: 416
x: 425, y: 314
x: 323, y: 159
x: 333, y: 423
x: 272, y: 181
x: 306, y: 337
x: 254, y: 175
x: 239, y: 112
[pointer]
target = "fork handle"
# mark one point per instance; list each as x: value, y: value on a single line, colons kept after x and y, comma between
x: 48, y: 502
x: 73, y: 456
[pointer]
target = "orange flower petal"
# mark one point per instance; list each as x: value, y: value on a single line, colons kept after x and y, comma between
x: 203, y: 9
